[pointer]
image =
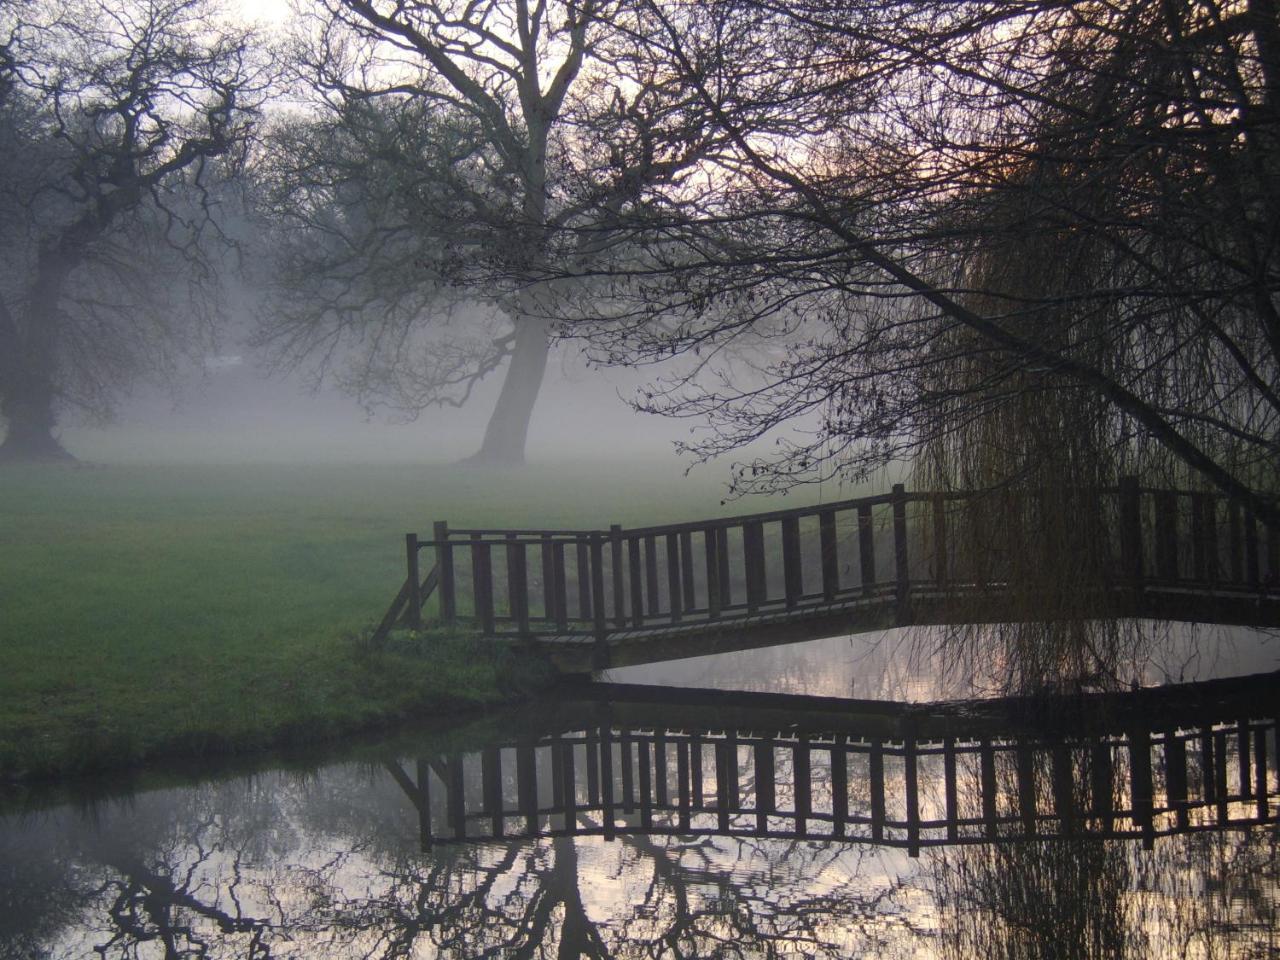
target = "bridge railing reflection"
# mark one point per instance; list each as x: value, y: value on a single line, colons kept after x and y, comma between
x: 903, y: 791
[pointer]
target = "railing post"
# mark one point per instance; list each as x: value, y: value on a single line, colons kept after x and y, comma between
x: 875, y: 763
x: 491, y: 787
x: 839, y: 788
x: 1166, y: 516
x: 1253, y: 575
x: 1213, y: 564
x: 1102, y: 785
x: 686, y: 571
x: 722, y: 784
x: 444, y: 567
x: 802, y: 784
x: 1064, y: 807
x: 866, y: 550
x: 951, y: 796
x: 456, y: 798
x: 1141, y: 794
x: 1024, y: 771
x: 830, y: 560
x: 711, y: 549
x: 651, y: 574
x: 527, y: 785
x: 600, y: 616
x: 911, y: 775
x: 753, y: 559
x: 482, y: 583
x: 1260, y: 772
x: 414, y: 580
x: 619, y: 596
x: 607, y: 812
x: 987, y: 767
x: 636, y: 579
x: 1200, y: 552
x: 722, y: 556
x: 1175, y: 777
x: 584, y: 579
x: 1235, y: 543
x: 940, y: 540
x: 792, y: 570
x: 1131, y: 530
x: 546, y: 551
x: 1273, y: 556
x: 674, y: 580
x: 423, y: 802
x: 561, y: 595
x: 763, y: 755
x: 518, y: 584
x: 902, y: 573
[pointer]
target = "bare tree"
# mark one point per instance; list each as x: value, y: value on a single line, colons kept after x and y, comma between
x: 971, y: 205
x: 116, y: 121
x: 459, y: 155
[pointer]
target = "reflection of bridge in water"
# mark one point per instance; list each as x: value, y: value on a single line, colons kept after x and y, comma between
x: 622, y: 596
x: 1137, y: 765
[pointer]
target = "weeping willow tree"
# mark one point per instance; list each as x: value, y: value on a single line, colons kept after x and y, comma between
x: 1116, y: 236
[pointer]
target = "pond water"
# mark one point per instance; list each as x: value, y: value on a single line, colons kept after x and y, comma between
x: 917, y: 664
x: 662, y: 829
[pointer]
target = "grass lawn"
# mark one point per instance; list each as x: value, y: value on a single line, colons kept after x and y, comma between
x: 166, y: 610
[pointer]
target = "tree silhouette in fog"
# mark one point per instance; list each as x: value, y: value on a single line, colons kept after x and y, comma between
x: 457, y: 152
x: 117, y: 121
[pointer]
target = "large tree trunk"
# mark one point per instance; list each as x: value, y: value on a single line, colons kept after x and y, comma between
x: 508, y: 429
x: 30, y: 437
x: 27, y: 370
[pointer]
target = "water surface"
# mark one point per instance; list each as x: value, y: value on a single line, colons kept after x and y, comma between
x: 379, y: 858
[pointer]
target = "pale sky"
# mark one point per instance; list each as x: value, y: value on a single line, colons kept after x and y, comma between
x: 263, y: 11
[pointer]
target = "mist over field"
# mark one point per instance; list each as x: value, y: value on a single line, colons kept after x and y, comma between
x: 234, y: 411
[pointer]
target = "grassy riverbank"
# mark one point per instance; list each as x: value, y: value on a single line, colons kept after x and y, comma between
x: 184, y: 610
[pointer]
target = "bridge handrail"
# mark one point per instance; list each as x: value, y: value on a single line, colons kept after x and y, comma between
x: 768, y: 516
x: 697, y: 571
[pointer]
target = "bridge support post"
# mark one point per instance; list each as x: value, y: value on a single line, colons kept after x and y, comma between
x: 414, y: 581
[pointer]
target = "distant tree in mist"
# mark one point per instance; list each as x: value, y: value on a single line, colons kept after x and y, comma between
x: 455, y: 156
x: 118, y: 124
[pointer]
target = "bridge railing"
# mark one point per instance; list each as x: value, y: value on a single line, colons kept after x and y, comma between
x: 880, y: 549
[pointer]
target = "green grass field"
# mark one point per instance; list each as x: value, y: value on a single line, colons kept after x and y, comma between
x: 185, y: 610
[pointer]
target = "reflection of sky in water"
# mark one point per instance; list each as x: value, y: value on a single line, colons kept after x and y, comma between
x: 331, y: 864
x: 915, y: 664
x: 328, y: 865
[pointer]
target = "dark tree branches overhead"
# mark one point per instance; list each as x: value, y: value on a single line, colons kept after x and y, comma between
x: 958, y: 206
x: 463, y: 153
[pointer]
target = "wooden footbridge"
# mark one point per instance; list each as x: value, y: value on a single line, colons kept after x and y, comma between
x: 597, y: 598
x: 615, y: 760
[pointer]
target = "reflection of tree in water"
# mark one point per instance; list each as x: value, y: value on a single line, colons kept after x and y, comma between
x: 637, y: 897
x: 256, y: 870
x: 1207, y: 895
x: 331, y: 866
